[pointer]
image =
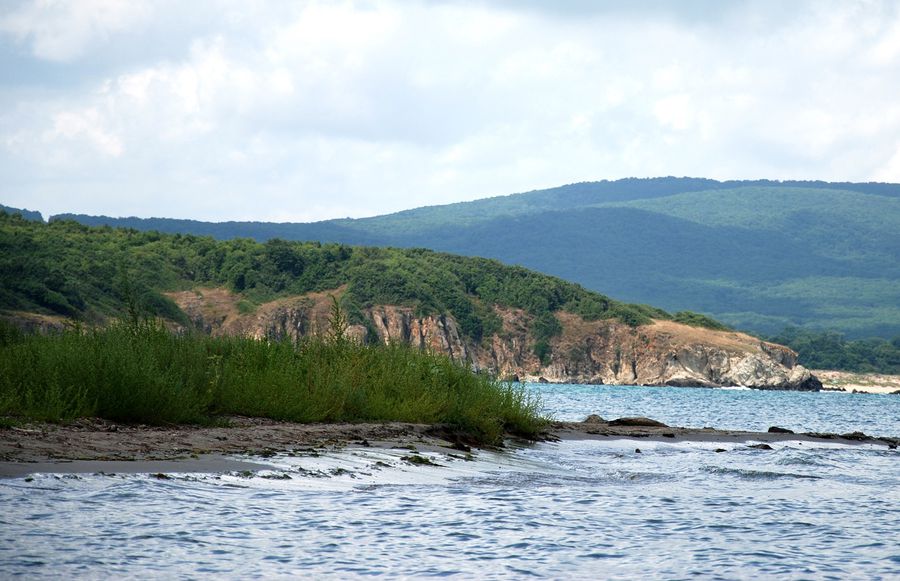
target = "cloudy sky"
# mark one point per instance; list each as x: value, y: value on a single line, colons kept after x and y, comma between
x: 297, y: 111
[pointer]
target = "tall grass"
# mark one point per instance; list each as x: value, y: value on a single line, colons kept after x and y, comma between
x: 140, y: 372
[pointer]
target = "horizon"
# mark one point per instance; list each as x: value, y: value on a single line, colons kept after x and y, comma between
x: 47, y: 216
x: 219, y: 111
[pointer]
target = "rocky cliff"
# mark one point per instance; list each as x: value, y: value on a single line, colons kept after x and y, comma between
x: 599, y: 352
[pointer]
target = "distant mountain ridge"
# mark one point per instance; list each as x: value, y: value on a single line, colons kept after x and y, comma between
x: 27, y: 214
x: 759, y: 255
x: 569, y: 196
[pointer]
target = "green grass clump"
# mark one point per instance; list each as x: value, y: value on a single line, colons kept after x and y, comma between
x: 698, y: 320
x: 140, y: 372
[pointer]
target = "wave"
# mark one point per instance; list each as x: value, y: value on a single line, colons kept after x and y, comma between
x: 755, y: 474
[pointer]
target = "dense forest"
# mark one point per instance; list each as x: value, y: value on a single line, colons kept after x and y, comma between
x: 90, y: 274
x: 831, y: 350
x: 758, y: 255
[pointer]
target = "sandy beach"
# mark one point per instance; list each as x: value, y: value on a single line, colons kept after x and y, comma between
x: 92, y: 445
x: 858, y: 382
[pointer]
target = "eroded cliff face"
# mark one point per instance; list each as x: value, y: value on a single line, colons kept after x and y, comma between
x: 600, y: 352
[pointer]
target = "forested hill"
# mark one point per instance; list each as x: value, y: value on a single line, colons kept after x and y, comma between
x: 759, y: 255
x: 89, y: 274
x: 420, y: 220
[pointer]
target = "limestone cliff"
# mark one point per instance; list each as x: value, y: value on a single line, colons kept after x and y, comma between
x: 600, y: 352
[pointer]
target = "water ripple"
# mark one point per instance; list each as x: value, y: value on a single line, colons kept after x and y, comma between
x: 571, y: 510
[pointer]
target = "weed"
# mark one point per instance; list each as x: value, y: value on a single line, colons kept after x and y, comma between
x: 142, y: 373
x: 419, y: 460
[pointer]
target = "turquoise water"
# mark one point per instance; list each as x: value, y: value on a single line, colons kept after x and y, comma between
x: 583, y: 510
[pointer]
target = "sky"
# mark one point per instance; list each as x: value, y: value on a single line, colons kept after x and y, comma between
x: 301, y: 111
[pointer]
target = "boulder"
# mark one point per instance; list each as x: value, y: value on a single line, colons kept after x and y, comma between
x: 637, y: 423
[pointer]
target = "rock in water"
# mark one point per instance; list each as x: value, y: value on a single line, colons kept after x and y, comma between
x: 594, y: 419
x: 777, y: 430
x: 761, y: 446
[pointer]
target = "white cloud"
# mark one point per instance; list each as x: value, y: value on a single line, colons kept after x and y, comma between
x: 890, y: 170
x: 327, y: 109
x: 84, y: 125
x: 675, y: 112
x: 63, y: 30
x: 885, y: 51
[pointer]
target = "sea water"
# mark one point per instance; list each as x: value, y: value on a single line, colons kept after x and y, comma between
x: 564, y: 510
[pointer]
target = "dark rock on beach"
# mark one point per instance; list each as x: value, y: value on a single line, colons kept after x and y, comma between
x: 637, y: 422
x: 855, y: 436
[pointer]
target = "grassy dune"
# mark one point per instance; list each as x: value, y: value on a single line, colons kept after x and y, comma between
x: 140, y: 372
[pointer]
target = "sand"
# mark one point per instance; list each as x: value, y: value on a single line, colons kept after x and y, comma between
x: 94, y: 445
x: 859, y: 382
x: 209, y: 463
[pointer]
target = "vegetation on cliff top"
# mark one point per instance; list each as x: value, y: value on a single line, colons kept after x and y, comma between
x: 140, y: 372
x: 92, y: 273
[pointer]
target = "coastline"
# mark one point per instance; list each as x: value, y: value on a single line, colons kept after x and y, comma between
x: 92, y: 445
x: 96, y: 439
x: 849, y: 381
x: 662, y: 433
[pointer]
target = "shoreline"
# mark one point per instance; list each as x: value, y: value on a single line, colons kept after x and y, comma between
x: 206, y: 463
x: 607, y: 430
x: 97, y: 439
x: 852, y: 382
x: 92, y: 445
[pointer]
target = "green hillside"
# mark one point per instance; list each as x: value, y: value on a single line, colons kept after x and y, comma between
x: 844, y: 225
x: 759, y: 255
x: 756, y: 258
x: 85, y: 273
x: 575, y: 196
